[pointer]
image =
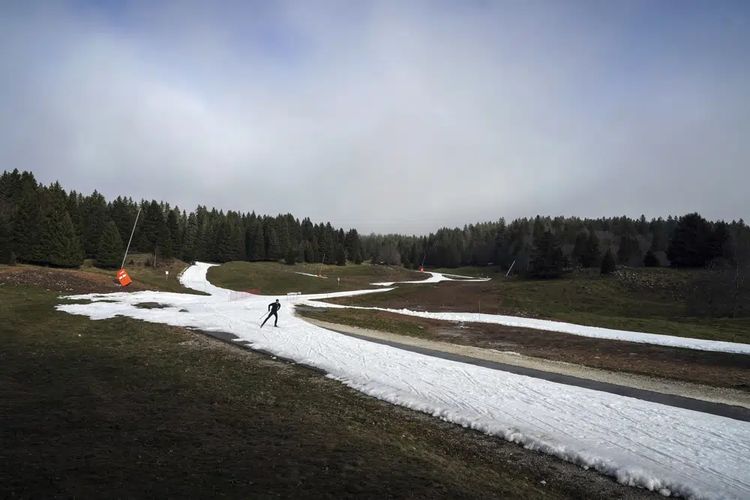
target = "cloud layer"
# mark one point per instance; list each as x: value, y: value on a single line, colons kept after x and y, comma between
x: 385, y: 116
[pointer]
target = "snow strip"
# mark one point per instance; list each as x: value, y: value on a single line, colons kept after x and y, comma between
x: 559, y: 326
x: 662, y: 448
x: 434, y: 278
x: 310, y: 274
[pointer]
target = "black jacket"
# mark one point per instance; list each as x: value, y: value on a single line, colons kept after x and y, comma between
x: 274, y: 306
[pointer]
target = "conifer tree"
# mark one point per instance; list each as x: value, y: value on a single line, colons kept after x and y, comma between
x: 689, y: 246
x: 122, y: 212
x: 309, y: 252
x: 282, y: 234
x: 547, y: 258
x: 164, y: 242
x: 153, y: 229
x: 353, y: 246
x: 257, y: 243
x: 92, y: 220
x: 59, y: 240
x: 27, y: 227
x: 579, y: 249
x: 6, y: 247
x: 608, y: 263
x: 291, y: 256
x: 110, y: 252
x: 591, y: 255
x: 340, y: 255
x: 225, y: 251
x: 236, y: 234
x: 175, y: 234
x: 190, y: 239
x: 273, y: 249
x: 629, y: 251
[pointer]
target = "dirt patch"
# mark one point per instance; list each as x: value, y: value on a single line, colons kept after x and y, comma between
x: 151, y: 305
x: 71, y: 281
x: 701, y: 367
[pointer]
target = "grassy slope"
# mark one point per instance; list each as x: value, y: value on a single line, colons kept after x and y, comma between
x: 641, y: 300
x: 276, y: 278
x: 146, y: 276
x: 122, y: 407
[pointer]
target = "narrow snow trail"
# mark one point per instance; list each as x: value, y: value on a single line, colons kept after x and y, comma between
x: 434, y: 278
x: 310, y: 274
x: 645, y: 444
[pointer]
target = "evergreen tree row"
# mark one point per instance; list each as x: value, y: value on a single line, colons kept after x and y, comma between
x: 45, y: 225
x: 545, y: 246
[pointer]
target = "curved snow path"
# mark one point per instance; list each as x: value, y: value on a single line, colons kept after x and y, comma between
x: 434, y: 278
x: 662, y: 448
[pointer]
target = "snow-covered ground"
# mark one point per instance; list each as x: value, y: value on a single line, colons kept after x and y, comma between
x: 659, y: 447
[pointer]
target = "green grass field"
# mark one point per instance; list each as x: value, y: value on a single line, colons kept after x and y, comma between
x: 125, y: 408
x: 277, y: 278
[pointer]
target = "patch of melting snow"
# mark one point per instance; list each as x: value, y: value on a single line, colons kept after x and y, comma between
x: 310, y: 274
x: 510, y: 353
x: 434, y: 278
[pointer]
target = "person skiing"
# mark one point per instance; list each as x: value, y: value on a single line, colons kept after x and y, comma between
x: 273, y: 307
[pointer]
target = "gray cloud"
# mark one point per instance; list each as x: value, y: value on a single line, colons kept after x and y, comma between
x: 384, y: 116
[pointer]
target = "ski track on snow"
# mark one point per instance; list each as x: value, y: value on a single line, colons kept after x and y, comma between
x: 662, y: 448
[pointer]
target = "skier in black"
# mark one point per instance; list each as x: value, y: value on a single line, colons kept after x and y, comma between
x: 273, y: 307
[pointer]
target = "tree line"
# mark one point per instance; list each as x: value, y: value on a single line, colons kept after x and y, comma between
x: 45, y: 225
x: 546, y: 246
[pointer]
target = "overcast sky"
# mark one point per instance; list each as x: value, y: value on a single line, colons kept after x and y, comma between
x: 387, y: 116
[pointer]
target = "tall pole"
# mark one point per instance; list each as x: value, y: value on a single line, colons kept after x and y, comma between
x: 131, y: 238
